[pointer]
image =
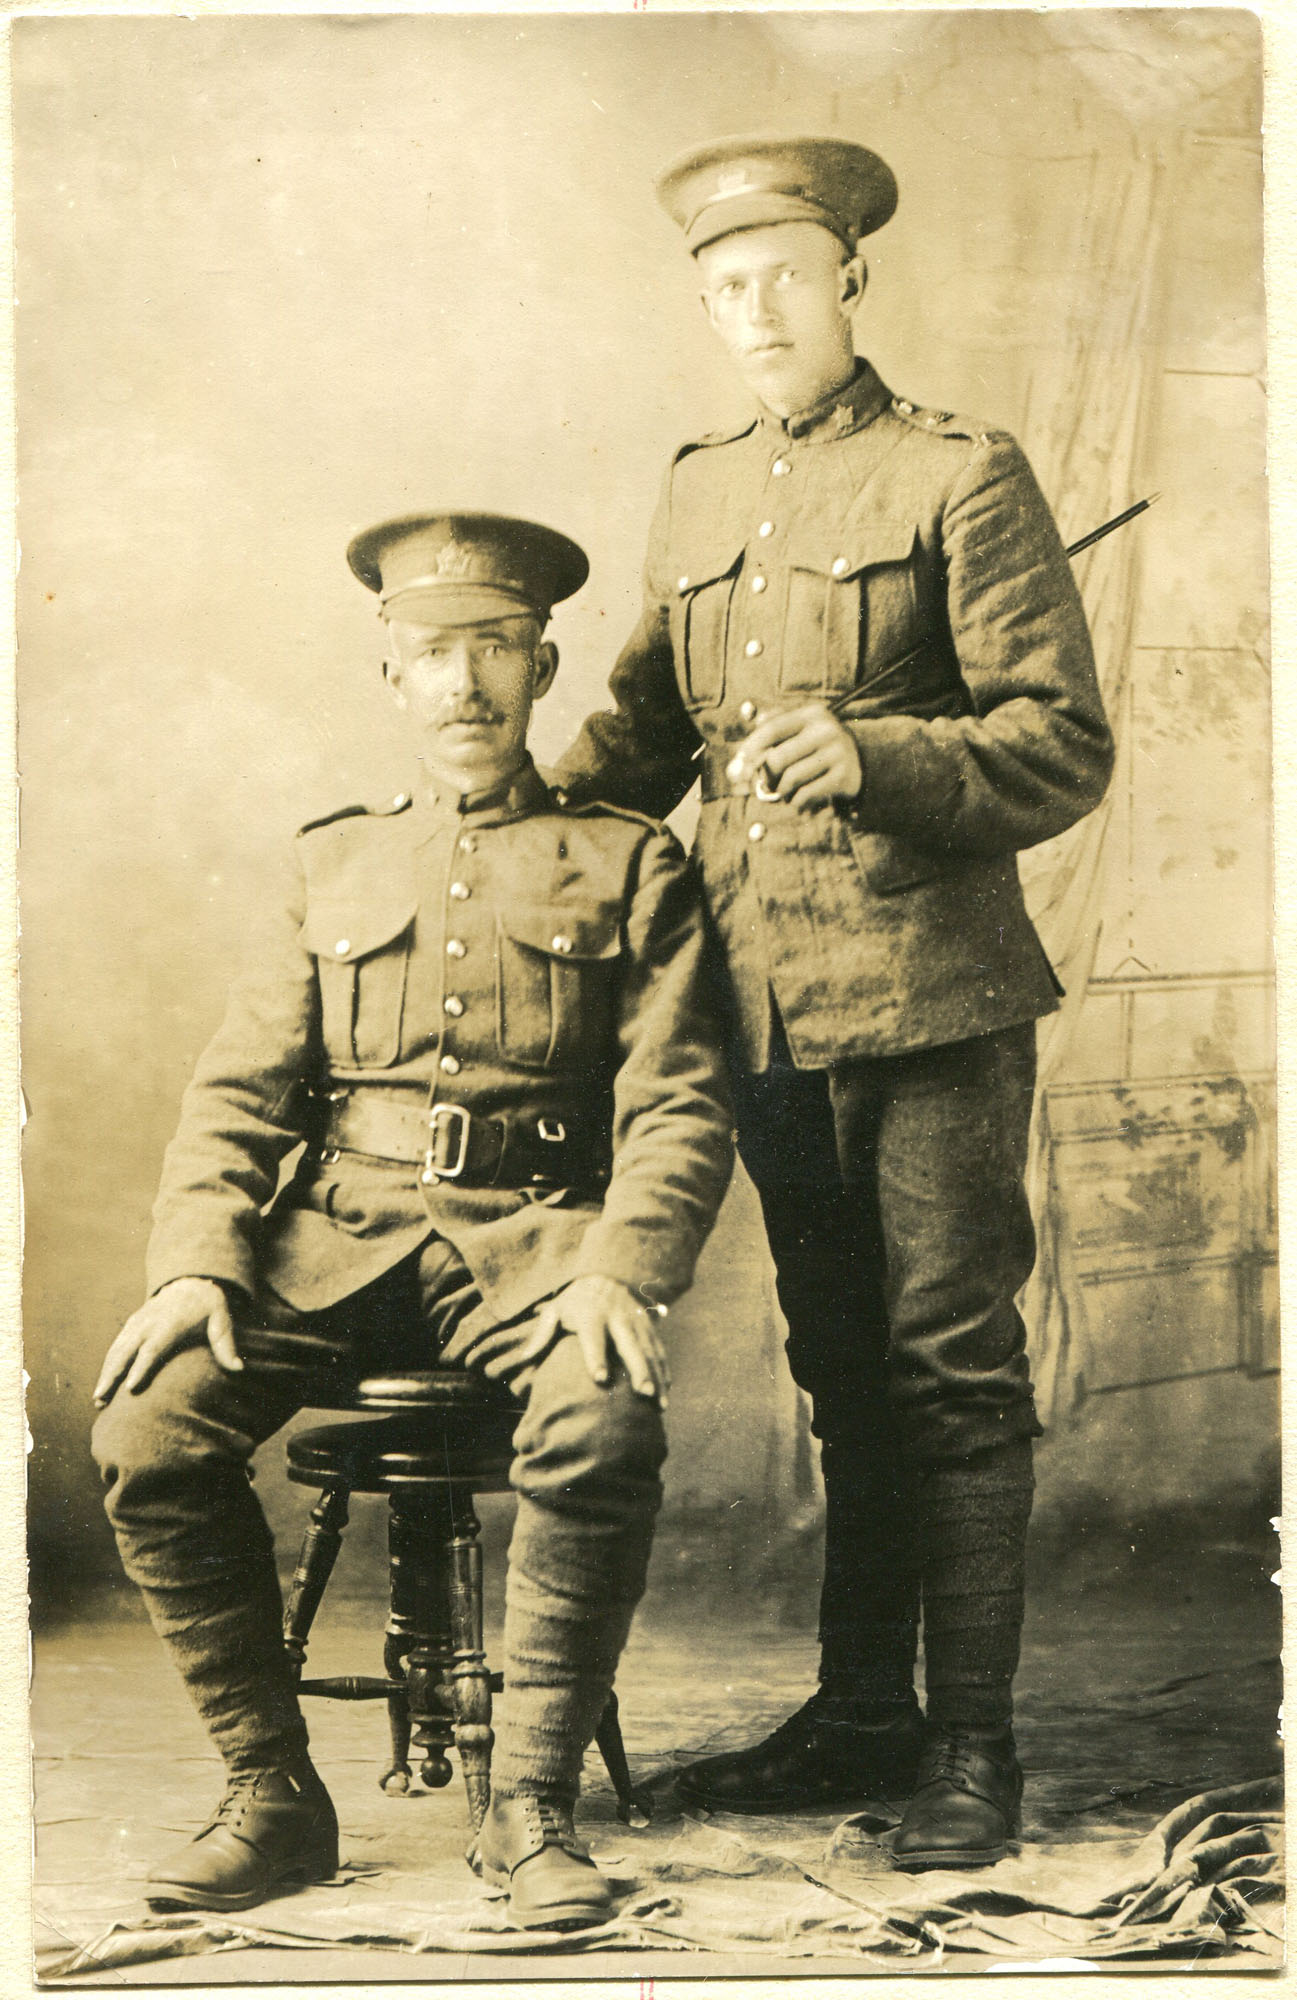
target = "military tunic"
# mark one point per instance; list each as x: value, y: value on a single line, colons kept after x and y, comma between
x: 517, y: 989
x: 902, y: 563
x: 538, y: 965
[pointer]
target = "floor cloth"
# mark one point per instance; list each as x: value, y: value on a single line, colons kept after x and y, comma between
x: 1207, y: 1878
x: 1130, y: 1854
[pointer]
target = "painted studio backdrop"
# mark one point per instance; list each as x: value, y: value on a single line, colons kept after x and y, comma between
x: 282, y: 277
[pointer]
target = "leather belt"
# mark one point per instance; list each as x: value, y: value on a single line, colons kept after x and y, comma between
x: 455, y: 1144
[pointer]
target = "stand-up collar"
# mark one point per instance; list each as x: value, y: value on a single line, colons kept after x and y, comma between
x: 523, y: 793
x: 856, y: 403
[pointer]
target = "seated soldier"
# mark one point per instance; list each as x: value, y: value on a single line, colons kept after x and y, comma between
x: 485, y: 1011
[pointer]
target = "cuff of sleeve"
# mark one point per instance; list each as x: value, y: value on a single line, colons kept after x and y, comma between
x: 904, y: 782
x: 613, y: 1250
x: 224, y: 1267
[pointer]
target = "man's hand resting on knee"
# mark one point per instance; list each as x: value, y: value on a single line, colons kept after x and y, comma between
x: 604, y: 1314
x: 169, y: 1320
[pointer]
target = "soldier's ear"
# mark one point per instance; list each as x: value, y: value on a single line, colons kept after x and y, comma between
x: 546, y: 668
x: 853, y: 278
x: 395, y: 680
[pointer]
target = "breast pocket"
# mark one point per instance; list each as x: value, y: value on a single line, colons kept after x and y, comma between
x: 700, y: 620
x: 852, y: 597
x: 362, y: 954
x: 557, y: 968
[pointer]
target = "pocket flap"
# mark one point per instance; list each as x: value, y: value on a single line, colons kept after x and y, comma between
x: 843, y: 551
x: 705, y: 565
x: 342, y: 932
x: 565, y: 930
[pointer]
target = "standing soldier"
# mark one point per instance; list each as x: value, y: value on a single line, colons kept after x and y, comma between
x: 860, y: 629
x: 484, y: 1011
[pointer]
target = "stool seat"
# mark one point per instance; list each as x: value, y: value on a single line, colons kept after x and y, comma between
x: 475, y: 1451
x: 433, y: 1390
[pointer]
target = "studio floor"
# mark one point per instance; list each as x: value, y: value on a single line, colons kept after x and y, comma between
x: 1150, y: 1675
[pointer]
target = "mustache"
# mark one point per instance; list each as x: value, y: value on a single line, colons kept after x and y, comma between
x: 469, y: 711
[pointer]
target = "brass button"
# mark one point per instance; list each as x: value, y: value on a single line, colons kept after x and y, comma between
x: 756, y: 831
x: 460, y: 891
x: 561, y: 943
x: 753, y: 647
x: 467, y: 843
x: 780, y: 467
x: 747, y: 710
x: 758, y: 584
x: 427, y: 1177
x: 451, y: 1065
x: 455, y: 947
x: 452, y: 1004
x: 682, y: 584
x: 906, y: 409
x: 839, y: 565
x: 766, y: 528
x: 562, y: 798
x: 402, y: 798
x: 342, y: 947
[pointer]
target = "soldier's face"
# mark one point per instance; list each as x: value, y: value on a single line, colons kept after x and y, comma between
x: 781, y: 299
x: 468, y: 691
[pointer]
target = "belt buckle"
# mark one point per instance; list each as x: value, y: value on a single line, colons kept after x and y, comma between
x: 465, y: 1118
x: 552, y: 1130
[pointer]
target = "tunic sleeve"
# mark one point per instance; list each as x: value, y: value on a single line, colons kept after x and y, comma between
x: 672, y: 1122
x: 1035, y: 753
x: 242, y: 1112
x: 639, y: 754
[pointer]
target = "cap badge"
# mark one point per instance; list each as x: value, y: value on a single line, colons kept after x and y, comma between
x: 733, y: 180
x: 454, y: 560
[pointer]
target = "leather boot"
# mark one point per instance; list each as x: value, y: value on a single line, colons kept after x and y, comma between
x: 813, y: 1762
x: 967, y: 1802
x: 529, y: 1846
x: 273, y: 1831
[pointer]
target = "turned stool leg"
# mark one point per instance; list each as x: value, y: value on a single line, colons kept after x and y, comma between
x: 401, y: 1627
x: 470, y: 1683
x: 320, y: 1545
x: 423, y: 1536
x: 613, y: 1752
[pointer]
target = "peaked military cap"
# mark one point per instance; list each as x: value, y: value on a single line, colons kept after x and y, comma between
x: 459, y: 569
x: 731, y: 184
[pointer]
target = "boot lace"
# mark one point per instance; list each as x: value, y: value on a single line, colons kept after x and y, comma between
x: 556, y: 1828
x: 240, y: 1797
x: 951, y: 1757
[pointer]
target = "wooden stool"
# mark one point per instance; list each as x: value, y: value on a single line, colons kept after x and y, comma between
x: 448, y: 1437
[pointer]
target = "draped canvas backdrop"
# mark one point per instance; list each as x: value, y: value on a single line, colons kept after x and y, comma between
x: 278, y: 277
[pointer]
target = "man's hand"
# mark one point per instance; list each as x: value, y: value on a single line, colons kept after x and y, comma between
x: 168, y: 1321
x: 805, y: 754
x: 604, y: 1313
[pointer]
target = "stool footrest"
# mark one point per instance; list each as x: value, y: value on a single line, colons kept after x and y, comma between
x: 353, y: 1687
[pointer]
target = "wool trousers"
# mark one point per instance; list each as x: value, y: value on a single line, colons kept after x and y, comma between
x: 175, y: 1459
x: 892, y: 1192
